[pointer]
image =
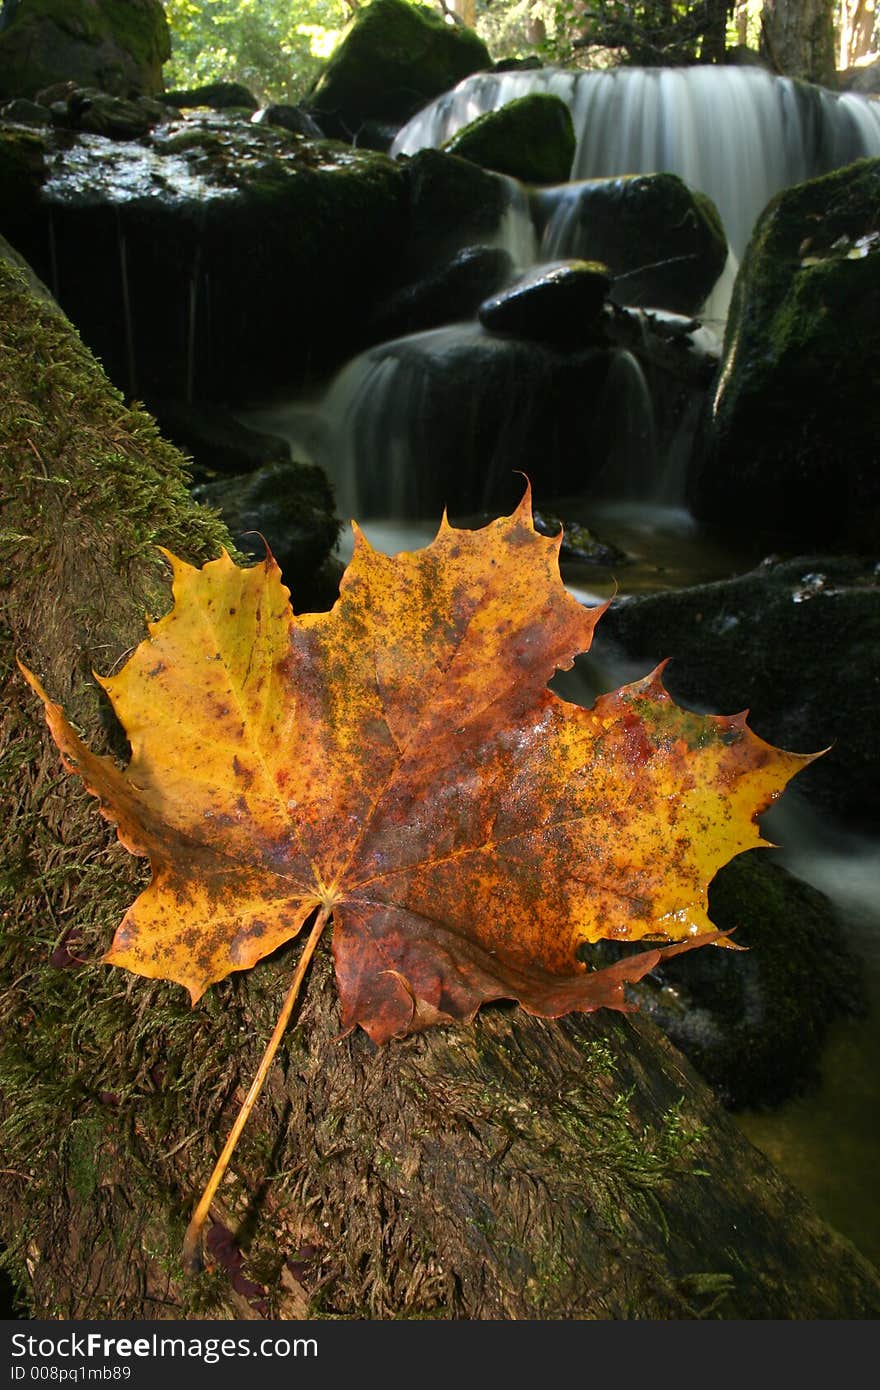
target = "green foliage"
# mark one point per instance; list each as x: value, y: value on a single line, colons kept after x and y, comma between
x: 274, y: 47
x: 600, y: 33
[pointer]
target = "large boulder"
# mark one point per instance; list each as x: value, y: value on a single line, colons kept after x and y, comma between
x: 792, y: 447
x: 452, y: 203
x: 117, y: 45
x: 221, y: 260
x: 393, y: 58
x: 797, y: 643
x: 531, y: 139
x: 662, y: 241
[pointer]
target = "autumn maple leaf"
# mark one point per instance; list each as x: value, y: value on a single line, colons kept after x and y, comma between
x: 399, y: 765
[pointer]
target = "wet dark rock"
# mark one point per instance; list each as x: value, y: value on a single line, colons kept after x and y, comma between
x: 215, y: 440
x: 791, y: 452
x: 452, y: 292
x: 97, y: 113
x: 531, y: 139
x: 763, y: 642
x: 220, y: 96
x: 578, y: 541
x: 25, y: 112
x: 452, y: 203
x: 558, y: 303
x: 215, y: 260
x: 116, y: 45
x: 55, y: 92
x: 393, y: 58
x: 662, y: 241
x: 753, y: 1022
x: 376, y: 133
x: 293, y: 118
x: 287, y: 506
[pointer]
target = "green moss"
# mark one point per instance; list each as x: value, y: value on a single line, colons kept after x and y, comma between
x: 79, y: 469
x: 142, y: 28
x: 119, y: 45
x: 23, y: 171
x: 531, y: 139
x: 392, y: 58
x: 711, y: 217
x: 795, y: 414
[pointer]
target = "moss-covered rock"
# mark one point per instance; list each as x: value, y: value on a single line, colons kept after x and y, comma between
x: 792, y: 451
x: 287, y: 505
x: 531, y: 139
x: 117, y: 45
x: 451, y: 203
x: 662, y: 241
x: 118, y: 118
x: 222, y: 260
x: 392, y: 59
x: 23, y: 171
x: 220, y: 96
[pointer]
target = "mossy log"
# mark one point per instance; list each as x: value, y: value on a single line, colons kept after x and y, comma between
x: 515, y: 1168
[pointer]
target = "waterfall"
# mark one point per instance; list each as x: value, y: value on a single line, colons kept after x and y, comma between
x: 631, y: 464
x: 738, y: 134
x: 447, y: 416
x: 516, y: 231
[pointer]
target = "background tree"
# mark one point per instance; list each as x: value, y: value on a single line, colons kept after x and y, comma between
x: 797, y: 38
x: 858, y: 31
x: 657, y: 32
x: 274, y: 47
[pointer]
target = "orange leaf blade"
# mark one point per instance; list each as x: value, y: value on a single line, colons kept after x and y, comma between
x: 401, y: 762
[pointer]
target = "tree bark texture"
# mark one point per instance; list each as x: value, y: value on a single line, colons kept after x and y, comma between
x: 797, y: 39
x: 515, y: 1168
x: 857, y: 27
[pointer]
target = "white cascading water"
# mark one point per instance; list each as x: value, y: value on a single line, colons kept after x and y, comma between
x: 738, y: 134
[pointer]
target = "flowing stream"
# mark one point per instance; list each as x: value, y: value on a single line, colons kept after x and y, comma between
x: 740, y: 136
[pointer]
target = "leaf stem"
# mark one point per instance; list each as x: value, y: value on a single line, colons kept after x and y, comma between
x: 192, y: 1242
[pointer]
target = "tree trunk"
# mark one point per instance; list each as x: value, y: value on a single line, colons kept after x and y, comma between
x: 742, y: 21
x: 466, y: 11
x: 514, y: 1168
x: 714, y: 43
x: 797, y: 39
x: 856, y: 28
